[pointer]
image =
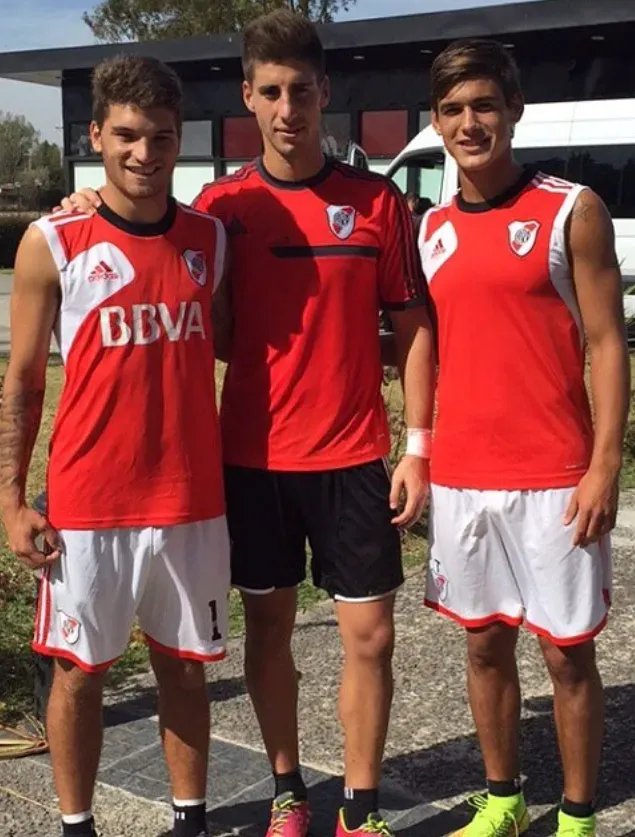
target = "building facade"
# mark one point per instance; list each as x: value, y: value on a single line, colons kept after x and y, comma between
x: 379, y: 71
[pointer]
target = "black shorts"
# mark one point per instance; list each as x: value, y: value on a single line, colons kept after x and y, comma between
x: 344, y: 514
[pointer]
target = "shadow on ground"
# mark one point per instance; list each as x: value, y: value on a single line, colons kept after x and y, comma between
x: 454, y: 768
x: 143, y: 702
x: 417, y: 780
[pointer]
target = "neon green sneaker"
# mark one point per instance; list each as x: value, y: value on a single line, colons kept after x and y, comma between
x: 374, y: 825
x: 497, y: 816
x: 575, y: 826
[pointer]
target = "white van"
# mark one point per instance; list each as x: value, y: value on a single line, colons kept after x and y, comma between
x: 590, y: 142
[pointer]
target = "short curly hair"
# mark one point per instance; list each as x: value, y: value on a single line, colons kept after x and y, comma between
x: 135, y: 80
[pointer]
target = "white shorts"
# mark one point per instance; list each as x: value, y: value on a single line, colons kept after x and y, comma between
x: 174, y: 579
x: 507, y: 556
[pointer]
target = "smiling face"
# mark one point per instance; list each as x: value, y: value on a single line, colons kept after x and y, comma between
x: 139, y: 149
x: 477, y: 123
x: 287, y: 100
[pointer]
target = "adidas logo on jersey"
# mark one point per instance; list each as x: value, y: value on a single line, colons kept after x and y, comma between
x: 146, y: 323
x: 102, y: 271
x: 438, y: 250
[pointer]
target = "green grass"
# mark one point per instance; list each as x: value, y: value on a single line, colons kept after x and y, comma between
x: 17, y: 587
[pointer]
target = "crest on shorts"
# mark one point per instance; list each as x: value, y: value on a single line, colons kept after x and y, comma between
x: 69, y: 627
x: 522, y: 236
x: 196, y: 265
x: 341, y: 220
x: 439, y: 580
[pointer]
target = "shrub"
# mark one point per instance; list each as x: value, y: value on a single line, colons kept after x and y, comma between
x: 12, y: 228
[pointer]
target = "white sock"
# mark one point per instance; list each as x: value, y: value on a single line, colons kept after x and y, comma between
x: 75, y: 819
x: 187, y: 803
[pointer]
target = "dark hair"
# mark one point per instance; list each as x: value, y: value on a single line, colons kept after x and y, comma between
x: 279, y: 37
x: 473, y: 59
x: 418, y: 206
x: 135, y: 80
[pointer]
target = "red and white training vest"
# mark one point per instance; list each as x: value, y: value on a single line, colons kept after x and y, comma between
x: 513, y: 411
x: 136, y: 439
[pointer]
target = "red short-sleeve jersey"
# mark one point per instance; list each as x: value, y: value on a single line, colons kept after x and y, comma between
x: 513, y: 411
x: 136, y: 440
x: 311, y: 265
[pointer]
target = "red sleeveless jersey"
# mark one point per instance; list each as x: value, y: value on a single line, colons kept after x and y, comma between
x: 513, y: 411
x: 136, y: 439
x: 313, y: 263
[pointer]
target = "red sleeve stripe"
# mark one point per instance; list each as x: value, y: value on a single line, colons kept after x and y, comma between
x: 415, y: 281
x: 237, y: 177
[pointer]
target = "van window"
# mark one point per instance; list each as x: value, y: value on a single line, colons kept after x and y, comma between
x: 607, y: 169
x: 422, y: 175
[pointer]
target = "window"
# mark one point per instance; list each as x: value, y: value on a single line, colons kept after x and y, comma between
x: 384, y: 132
x: 378, y: 164
x: 425, y: 119
x: 549, y: 160
x: 88, y: 176
x: 196, y: 140
x: 189, y: 178
x: 241, y: 138
x: 610, y: 171
x: 607, y: 169
x: 336, y: 134
x: 422, y: 175
x: 80, y: 144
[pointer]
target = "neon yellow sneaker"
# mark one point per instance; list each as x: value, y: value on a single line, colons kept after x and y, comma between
x: 497, y: 816
x: 374, y: 825
x: 575, y: 826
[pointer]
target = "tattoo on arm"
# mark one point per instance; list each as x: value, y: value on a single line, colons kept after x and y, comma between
x: 587, y: 210
x: 20, y: 417
x: 582, y: 209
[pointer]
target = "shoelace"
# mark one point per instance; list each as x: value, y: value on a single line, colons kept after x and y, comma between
x: 497, y: 829
x: 280, y: 813
x: 375, y: 825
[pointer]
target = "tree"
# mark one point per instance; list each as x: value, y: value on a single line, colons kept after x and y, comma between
x: 151, y: 20
x: 17, y: 139
x: 47, y: 158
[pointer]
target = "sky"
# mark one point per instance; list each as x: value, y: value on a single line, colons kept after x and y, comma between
x: 42, y: 24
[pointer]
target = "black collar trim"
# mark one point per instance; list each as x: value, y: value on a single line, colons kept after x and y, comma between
x: 309, y: 183
x: 135, y: 227
x: 498, y: 200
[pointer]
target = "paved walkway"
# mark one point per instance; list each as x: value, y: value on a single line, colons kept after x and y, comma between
x: 432, y: 759
x: 6, y: 281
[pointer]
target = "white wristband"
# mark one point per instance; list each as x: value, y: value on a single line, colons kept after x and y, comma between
x: 418, y: 442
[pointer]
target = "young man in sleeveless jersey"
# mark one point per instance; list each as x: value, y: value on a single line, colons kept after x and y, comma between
x: 319, y: 247
x: 136, y: 510
x: 522, y: 272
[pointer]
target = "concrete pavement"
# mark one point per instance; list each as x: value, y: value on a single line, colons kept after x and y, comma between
x: 432, y: 760
x: 6, y: 282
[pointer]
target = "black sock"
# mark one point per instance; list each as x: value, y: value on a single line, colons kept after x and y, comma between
x: 291, y: 783
x: 189, y: 820
x: 358, y: 804
x: 506, y: 788
x: 577, y: 809
x: 79, y: 829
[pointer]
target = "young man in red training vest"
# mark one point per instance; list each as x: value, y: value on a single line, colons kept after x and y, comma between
x: 522, y: 271
x: 136, y: 512
x: 319, y: 247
